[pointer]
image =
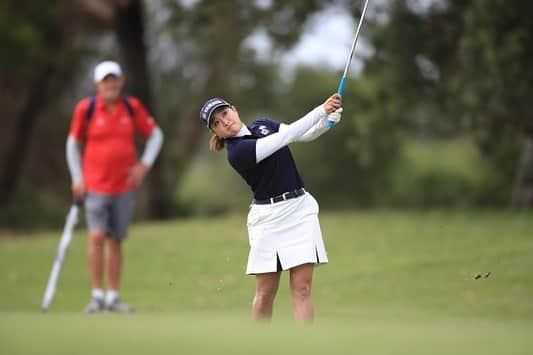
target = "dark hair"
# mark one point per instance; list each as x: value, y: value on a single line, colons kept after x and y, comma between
x: 216, y: 144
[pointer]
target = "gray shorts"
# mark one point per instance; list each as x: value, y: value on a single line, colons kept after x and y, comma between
x: 110, y: 213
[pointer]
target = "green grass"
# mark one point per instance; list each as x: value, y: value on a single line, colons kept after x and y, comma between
x: 449, y: 173
x: 396, y: 283
x: 460, y: 155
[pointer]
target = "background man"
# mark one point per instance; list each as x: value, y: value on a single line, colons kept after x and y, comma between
x: 105, y: 172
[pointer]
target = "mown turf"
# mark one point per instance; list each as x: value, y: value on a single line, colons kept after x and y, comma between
x: 396, y: 283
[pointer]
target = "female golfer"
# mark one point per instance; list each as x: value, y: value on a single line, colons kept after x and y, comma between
x: 283, y: 227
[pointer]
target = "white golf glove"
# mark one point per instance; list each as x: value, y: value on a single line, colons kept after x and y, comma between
x: 335, y: 116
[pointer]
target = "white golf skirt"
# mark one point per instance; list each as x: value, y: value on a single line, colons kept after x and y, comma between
x: 288, y: 230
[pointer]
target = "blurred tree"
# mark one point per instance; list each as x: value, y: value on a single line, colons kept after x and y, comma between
x: 37, y: 59
x: 414, y: 62
x: 495, y: 79
x: 463, y: 66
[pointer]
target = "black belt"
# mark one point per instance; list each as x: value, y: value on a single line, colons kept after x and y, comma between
x: 283, y: 197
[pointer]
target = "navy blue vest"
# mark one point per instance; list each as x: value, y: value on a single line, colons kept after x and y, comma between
x: 272, y: 176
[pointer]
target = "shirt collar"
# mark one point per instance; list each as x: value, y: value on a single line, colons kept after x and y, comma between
x: 244, y: 131
x: 100, y: 103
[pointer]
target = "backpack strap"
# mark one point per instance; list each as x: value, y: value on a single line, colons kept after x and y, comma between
x: 129, y: 107
x: 90, y: 109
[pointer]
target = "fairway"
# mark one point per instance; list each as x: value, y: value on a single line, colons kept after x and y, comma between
x: 397, y: 283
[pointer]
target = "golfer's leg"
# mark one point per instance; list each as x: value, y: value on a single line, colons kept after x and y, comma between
x: 300, y: 280
x: 266, y: 289
x: 95, y: 256
x: 114, y: 263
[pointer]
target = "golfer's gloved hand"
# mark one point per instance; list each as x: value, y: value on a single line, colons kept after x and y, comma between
x: 335, y: 116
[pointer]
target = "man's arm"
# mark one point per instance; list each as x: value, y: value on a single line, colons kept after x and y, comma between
x: 152, y: 147
x: 73, y: 153
x: 151, y: 151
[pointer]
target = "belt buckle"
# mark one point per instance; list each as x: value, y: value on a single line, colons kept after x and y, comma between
x: 283, y: 195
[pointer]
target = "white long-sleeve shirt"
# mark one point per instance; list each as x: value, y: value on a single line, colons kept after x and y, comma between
x: 306, y: 129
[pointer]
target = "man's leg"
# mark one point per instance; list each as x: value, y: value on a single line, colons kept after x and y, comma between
x: 121, y: 213
x: 300, y: 280
x: 95, y: 258
x: 97, y: 216
x: 114, y: 263
x: 266, y: 289
x: 114, y: 270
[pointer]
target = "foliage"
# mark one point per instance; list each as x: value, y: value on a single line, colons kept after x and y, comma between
x: 495, y: 78
x: 446, y: 173
x: 460, y: 67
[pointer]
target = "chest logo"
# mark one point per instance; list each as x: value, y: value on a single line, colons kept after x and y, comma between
x: 264, y: 130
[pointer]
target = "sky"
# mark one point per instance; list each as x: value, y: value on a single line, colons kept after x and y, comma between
x: 326, y: 41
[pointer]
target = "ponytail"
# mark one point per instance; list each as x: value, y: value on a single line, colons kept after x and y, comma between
x: 216, y: 144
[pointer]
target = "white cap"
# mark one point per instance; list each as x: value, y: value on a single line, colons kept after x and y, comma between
x: 106, y: 68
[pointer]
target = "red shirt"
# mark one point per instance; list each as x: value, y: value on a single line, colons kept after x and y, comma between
x: 109, y: 145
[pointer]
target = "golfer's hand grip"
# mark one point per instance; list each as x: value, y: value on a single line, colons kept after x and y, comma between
x: 340, y: 91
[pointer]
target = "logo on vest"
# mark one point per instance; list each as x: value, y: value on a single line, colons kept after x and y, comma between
x: 264, y: 130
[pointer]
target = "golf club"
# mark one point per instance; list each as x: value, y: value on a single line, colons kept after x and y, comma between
x: 342, y: 82
x: 70, y: 224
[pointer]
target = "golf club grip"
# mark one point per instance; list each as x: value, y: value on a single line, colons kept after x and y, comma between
x: 340, y: 91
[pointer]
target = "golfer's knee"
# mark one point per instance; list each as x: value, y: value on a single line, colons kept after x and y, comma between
x: 301, y: 291
x: 264, y: 297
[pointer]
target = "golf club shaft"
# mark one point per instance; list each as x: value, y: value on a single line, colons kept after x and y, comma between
x: 72, y: 220
x: 342, y: 82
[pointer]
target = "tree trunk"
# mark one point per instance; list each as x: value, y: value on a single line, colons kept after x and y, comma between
x: 523, y: 190
x: 15, y: 156
x: 129, y: 30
